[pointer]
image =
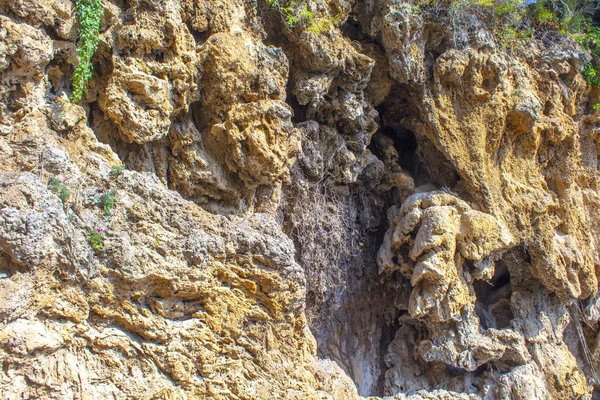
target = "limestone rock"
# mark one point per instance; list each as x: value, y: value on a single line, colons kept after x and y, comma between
x: 448, y: 233
x: 154, y: 73
x: 244, y: 252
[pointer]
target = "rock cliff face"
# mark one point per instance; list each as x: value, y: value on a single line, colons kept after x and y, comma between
x: 369, y: 208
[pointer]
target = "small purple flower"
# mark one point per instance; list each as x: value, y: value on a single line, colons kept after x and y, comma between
x: 99, y: 230
x: 64, y: 180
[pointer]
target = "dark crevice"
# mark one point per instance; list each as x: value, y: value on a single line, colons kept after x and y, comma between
x: 388, y: 333
x: 441, y: 171
x: 298, y: 110
x: 104, y: 129
x: 137, y: 157
x: 90, y: 115
x: 405, y: 143
x: 420, y: 157
x: 273, y: 26
x: 199, y: 37
x: 417, y: 155
x: 493, y: 305
x: 352, y: 29
x: 158, y: 55
x: 453, y: 371
x: 430, y: 58
x: 479, y: 372
x: 200, y: 122
x: 548, y: 108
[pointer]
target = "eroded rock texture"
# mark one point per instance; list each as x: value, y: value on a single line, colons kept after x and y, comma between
x: 371, y: 208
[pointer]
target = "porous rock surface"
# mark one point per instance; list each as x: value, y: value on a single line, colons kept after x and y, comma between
x: 367, y: 209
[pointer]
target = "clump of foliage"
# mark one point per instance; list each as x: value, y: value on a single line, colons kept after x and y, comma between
x: 96, y: 238
x: 289, y: 10
x: 464, y: 15
x: 59, y: 188
x: 323, y: 24
x: 591, y: 75
x: 88, y: 13
x: 573, y: 18
x: 516, y: 21
x: 107, y: 200
x: 296, y: 12
x: 117, y: 170
x: 589, y: 38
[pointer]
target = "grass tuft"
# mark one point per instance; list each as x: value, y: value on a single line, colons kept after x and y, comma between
x: 59, y: 188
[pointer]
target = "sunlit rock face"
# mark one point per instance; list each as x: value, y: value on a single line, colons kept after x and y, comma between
x: 370, y: 207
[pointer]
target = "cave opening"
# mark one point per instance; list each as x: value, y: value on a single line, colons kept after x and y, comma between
x: 407, y: 147
x: 492, y: 305
x: 405, y: 142
x: 352, y: 29
x: 365, y: 320
x: 298, y: 110
x: 356, y: 329
x: 199, y: 37
x: 352, y: 311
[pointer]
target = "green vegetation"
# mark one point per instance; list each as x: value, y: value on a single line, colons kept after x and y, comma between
x: 573, y: 18
x: 96, y: 238
x: 591, y: 75
x: 296, y: 13
x: 589, y: 38
x: 59, y: 188
x: 117, y: 170
x: 514, y: 22
x: 288, y: 10
x: 89, y: 13
x: 323, y: 24
x: 107, y: 200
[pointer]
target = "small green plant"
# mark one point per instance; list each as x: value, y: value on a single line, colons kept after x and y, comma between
x: 575, y: 19
x: 516, y: 22
x: 88, y: 13
x: 107, y: 200
x: 589, y: 39
x: 596, y: 106
x: 292, y: 12
x: 54, y: 184
x: 96, y: 238
x: 542, y: 15
x: 296, y: 12
x: 507, y: 36
x: 591, y: 75
x: 117, y: 170
x: 323, y: 24
x: 59, y: 188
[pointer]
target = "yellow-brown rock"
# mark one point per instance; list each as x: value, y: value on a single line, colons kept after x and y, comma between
x: 365, y: 202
